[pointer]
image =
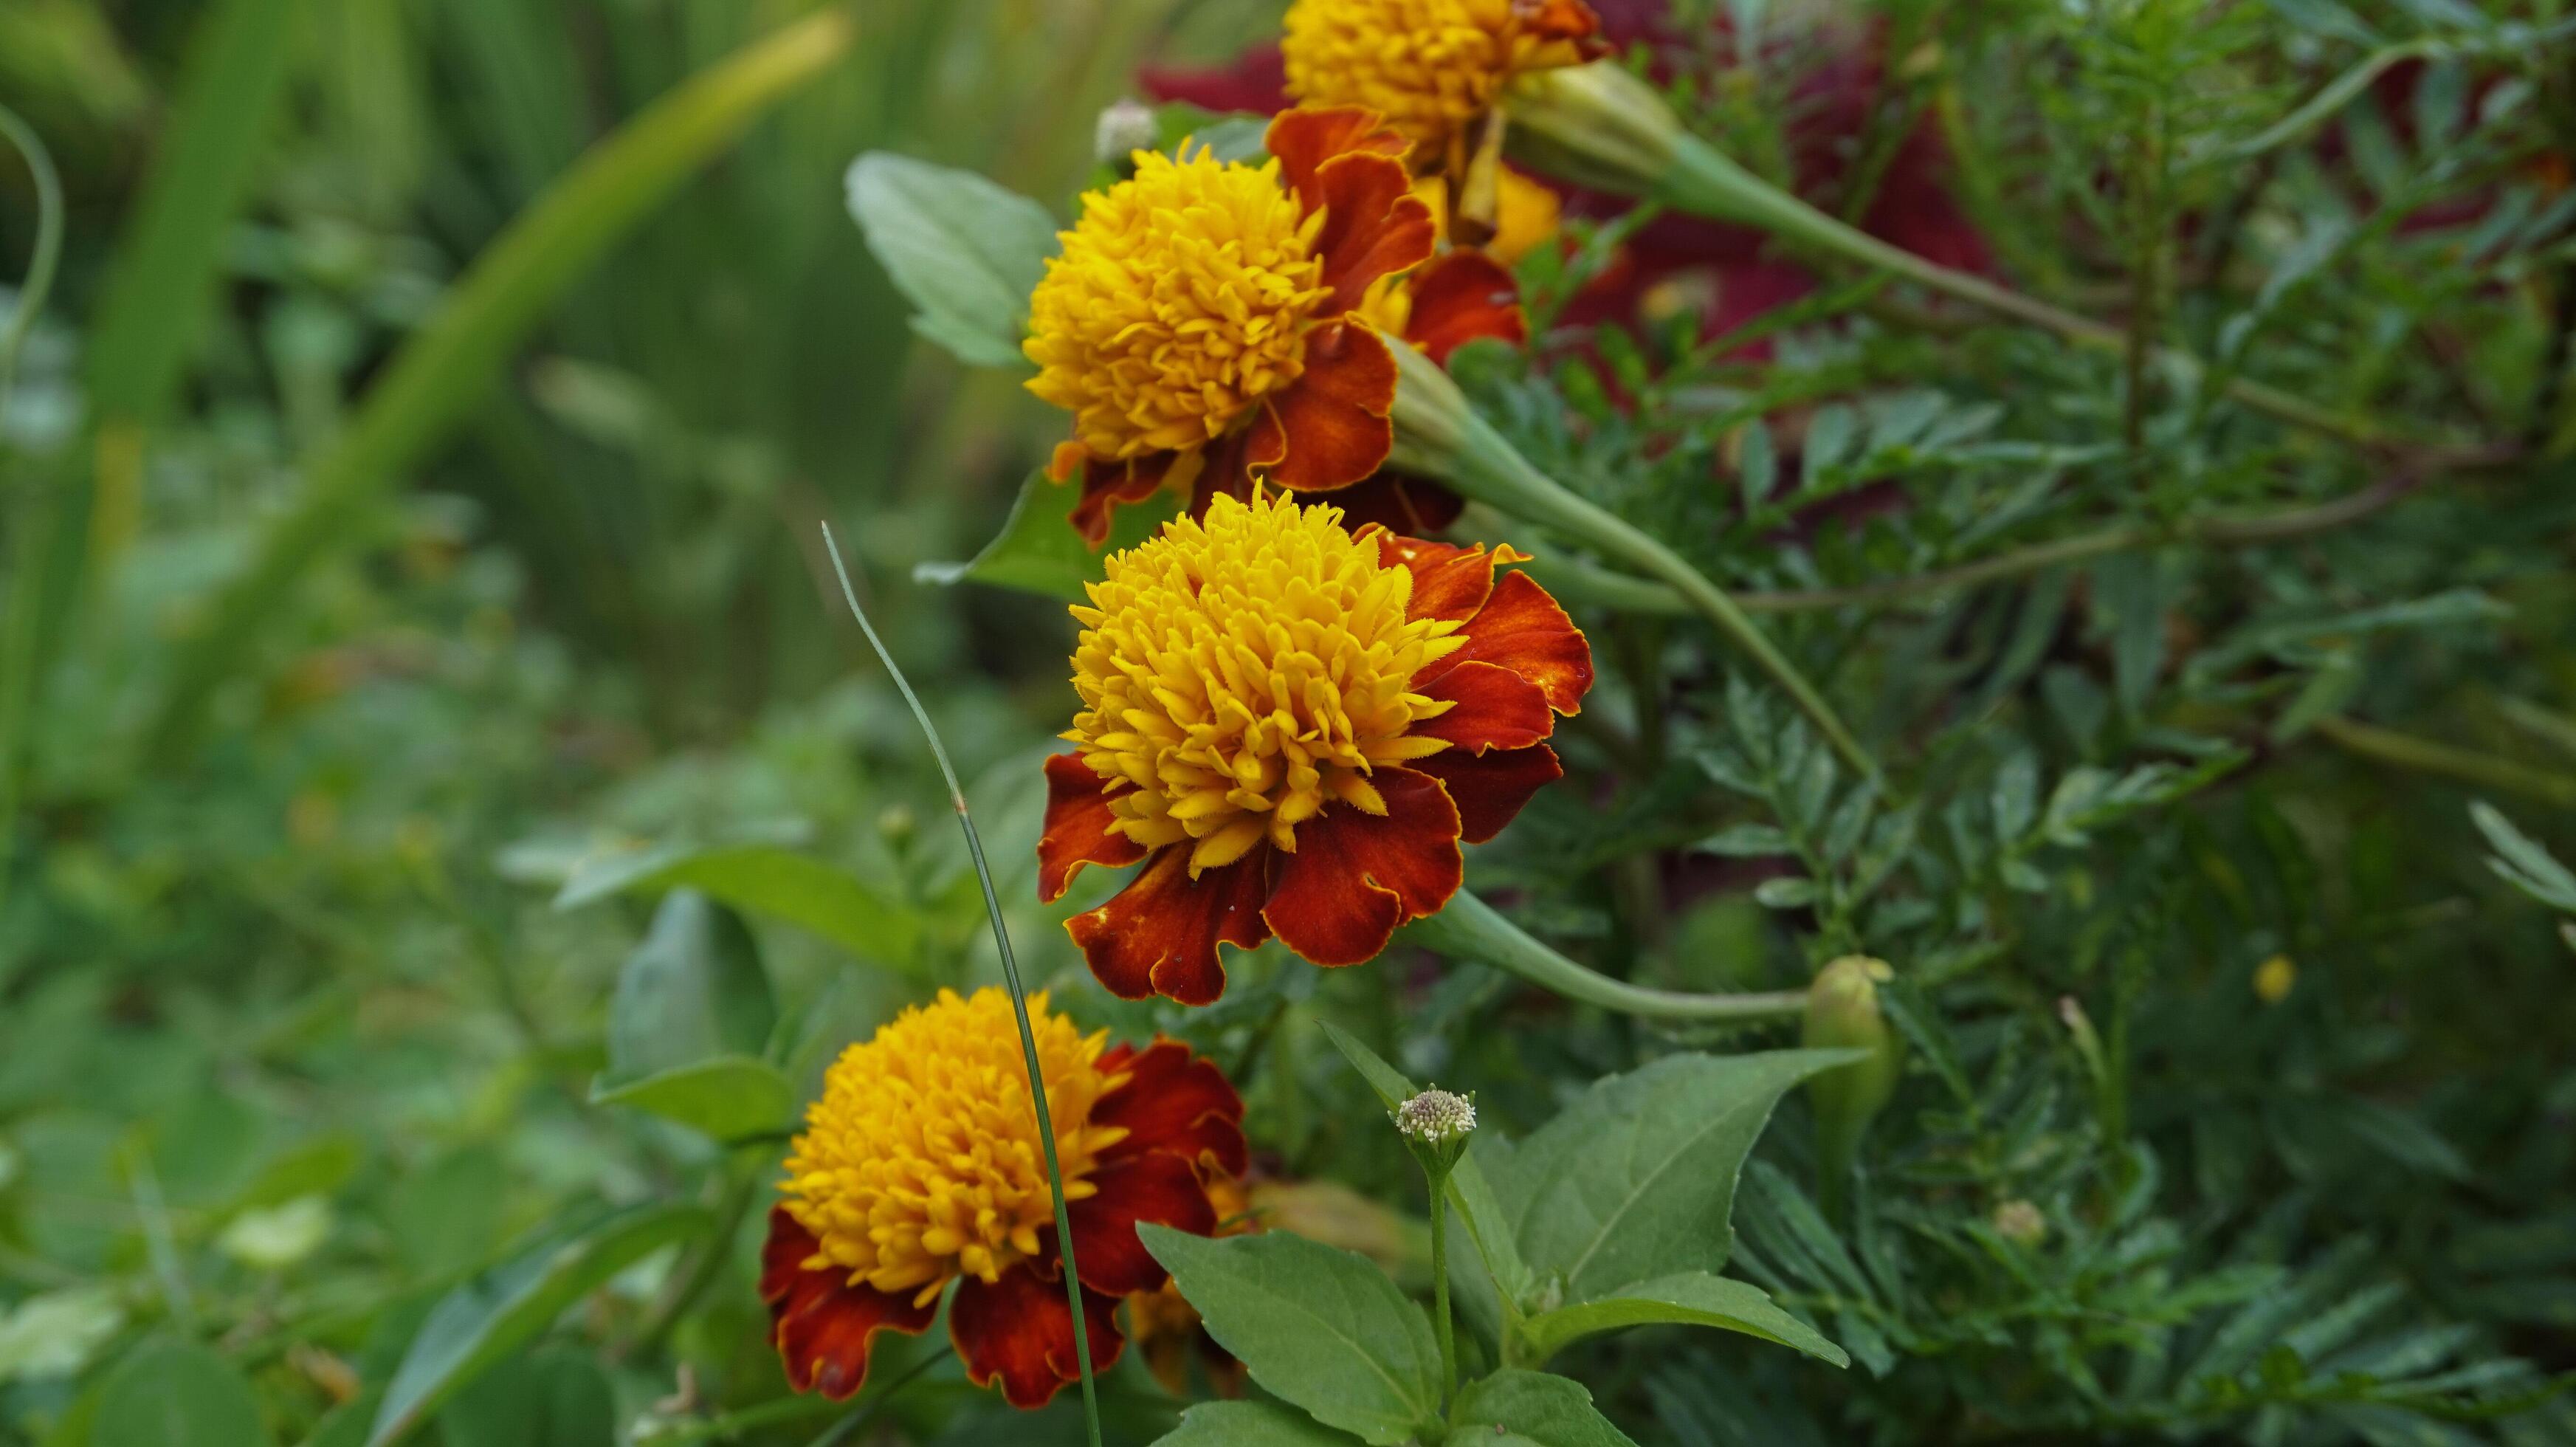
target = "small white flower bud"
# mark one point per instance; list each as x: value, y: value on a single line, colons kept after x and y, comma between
x: 1435, y: 1117
x: 1125, y: 127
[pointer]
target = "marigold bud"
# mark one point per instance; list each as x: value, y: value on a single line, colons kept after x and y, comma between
x: 1436, y: 1117
x: 1843, y: 1013
x: 1125, y: 127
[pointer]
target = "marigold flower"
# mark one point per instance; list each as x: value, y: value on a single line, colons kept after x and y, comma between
x: 1293, y: 727
x: 1433, y: 68
x: 1201, y: 321
x: 921, y: 1166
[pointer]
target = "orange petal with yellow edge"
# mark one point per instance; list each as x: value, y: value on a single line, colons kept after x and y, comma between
x: 1171, y: 1101
x: 1495, y: 708
x: 1160, y: 934
x: 1331, y: 425
x: 1078, y: 828
x: 1156, y: 1186
x: 822, y: 1325
x: 1464, y: 296
x: 1019, y: 1331
x: 1490, y: 789
x: 1354, y: 877
x: 1522, y: 628
x: 1308, y: 136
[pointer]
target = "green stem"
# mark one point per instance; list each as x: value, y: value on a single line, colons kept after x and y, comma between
x: 1011, y: 975
x: 2405, y: 751
x: 1470, y: 929
x: 1438, y: 433
x: 1440, y: 1290
x: 23, y: 640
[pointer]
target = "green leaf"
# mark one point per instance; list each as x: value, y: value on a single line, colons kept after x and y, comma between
x: 764, y: 879
x: 1693, y: 1298
x: 1319, y: 1328
x: 1746, y: 841
x: 177, y: 1394
x: 1635, y: 1181
x: 1531, y: 1409
x: 1038, y: 551
x: 1487, y: 1224
x: 446, y: 366
x: 2524, y: 862
x: 725, y: 1098
x: 965, y: 251
x: 554, y: 1397
x: 494, y: 1314
x: 692, y: 990
x: 1250, y: 1424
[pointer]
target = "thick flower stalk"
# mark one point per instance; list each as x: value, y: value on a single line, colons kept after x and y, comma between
x: 1292, y: 727
x: 920, y: 1168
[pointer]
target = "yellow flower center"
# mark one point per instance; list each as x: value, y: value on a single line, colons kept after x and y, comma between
x: 1180, y: 300
x: 1428, y: 66
x: 921, y: 1162
x: 1244, y: 669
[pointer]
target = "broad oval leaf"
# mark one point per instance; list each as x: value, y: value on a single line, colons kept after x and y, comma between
x: 724, y: 1097
x: 693, y: 990
x: 495, y: 1313
x: 1693, y: 1298
x: 1251, y: 1424
x: 965, y: 251
x: 177, y: 1394
x: 1037, y: 550
x: 1636, y: 1179
x: 1319, y: 1328
x: 763, y: 879
x: 1531, y: 1409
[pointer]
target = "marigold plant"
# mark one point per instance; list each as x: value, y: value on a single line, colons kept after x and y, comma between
x: 1292, y: 727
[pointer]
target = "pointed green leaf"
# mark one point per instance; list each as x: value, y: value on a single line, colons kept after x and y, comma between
x: 1320, y: 1328
x: 1531, y: 1409
x: 177, y: 1394
x: 1251, y: 1424
x: 965, y: 251
x: 1693, y: 1298
x: 694, y: 989
x: 1636, y: 1179
x: 763, y: 879
x: 1038, y: 551
x: 724, y: 1097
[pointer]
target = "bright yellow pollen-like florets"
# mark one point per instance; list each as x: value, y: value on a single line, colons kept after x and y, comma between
x: 921, y: 1162
x: 1244, y: 669
x: 1428, y: 66
x: 1179, y: 301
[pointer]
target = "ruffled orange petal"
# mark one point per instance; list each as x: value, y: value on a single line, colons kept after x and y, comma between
x: 1463, y: 297
x: 1571, y: 20
x: 822, y: 1325
x: 1354, y: 877
x: 1490, y: 789
x: 1107, y: 486
x: 1155, y: 1186
x: 1305, y: 138
x: 1374, y: 226
x: 1019, y: 1330
x: 1160, y: 934
x: 1330, y: 428
x: 1448, y: 581
x: 1171, y: 1101
x: 1522, y: 628
x: 1495, y: 709
x: 1078, y: 829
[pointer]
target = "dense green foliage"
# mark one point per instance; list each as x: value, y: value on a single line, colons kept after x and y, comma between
x: 447, y: 819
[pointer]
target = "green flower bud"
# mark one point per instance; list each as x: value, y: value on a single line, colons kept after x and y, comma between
x: 1843, y: 1013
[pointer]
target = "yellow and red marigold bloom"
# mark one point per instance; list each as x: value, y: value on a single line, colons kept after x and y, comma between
x: 1202, y: 321
x: 1433, y: 68
x: 921, y: 1166
x: 1292, y: 728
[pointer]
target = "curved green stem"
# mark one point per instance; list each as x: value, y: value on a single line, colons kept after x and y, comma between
x: 1011, y: 975
x: 39, y: 282
x: 1436, y: 432
x: 2485, y: 771
x: 1470, y: 929
x: 1448, y: 1332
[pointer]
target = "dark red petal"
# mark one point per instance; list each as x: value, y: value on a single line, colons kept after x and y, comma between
x: 1255, y: 81
x: 1497, y: 708
x: 1155, y: 1186
x: 1563, y: 20
x: 1460, y: 298
x: 1107, y: 486
x: 1077, y: 827
x: 1489, y: 789
x: 1305, y: 138
x: 822, y: 1325
x: 1331, y: 425
x: 1172, y: 1101
x: 1020, y: 1330
x: 1448, y: 581
x: 1160, y: 934
x: 1355, y: 876
x: 1522, y: 628
x: 1374, y: 226
x: 1399, y: 503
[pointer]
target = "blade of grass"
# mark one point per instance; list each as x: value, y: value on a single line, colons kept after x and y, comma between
x: 1010, y: 976
x: 441, y: 370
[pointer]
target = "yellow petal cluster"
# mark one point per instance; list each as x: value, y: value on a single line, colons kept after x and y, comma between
x: 1179, y: 301
x: 921, y: 1162
x: 1246, y: 668
x: 1428, y: 66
